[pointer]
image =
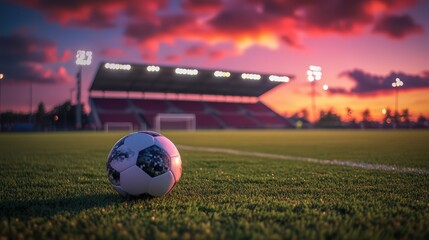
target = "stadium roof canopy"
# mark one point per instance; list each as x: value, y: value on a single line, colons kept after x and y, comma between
x: 167, y: 79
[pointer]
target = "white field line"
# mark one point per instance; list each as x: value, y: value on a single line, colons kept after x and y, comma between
x: 372, y: 166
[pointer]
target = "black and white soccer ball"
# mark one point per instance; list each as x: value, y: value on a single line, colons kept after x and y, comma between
x: 144, y: 163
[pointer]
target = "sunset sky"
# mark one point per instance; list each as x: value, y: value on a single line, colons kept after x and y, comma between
x: 361, y: 45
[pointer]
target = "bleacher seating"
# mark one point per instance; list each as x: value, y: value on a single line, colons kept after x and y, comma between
x: 224, y: 107
x: 151, y: 105
x: 189, y: 106
x: 256, y: 108
x: 209, y: 115
x: 206, y: 121
x: 111, y: 104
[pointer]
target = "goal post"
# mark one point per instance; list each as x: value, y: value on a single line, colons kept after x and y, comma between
x: 175, y: 121
x: 118, y: 126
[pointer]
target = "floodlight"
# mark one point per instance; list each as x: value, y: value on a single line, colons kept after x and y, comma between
x: 325, y: 87
x: 250, y: 76
x: 117, y: 66
x: 315, y: 68
x: 153, y: 68
x: 221, y: 74
x: 83, y: 57
x: 275, y: 78
x: 186, y: 71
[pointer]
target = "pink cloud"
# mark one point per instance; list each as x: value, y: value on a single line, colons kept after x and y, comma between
x: 112, y: 52
x: 242, y: 23
x: 195, y: 51
x: 172, y: 58
x: 66, y: 56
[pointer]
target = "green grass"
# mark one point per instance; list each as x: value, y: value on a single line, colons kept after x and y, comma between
x: 54, y: 185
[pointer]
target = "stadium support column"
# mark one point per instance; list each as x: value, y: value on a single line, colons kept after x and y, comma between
x: 78, y: 98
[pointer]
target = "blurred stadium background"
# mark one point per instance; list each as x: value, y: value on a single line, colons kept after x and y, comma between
x: 133, y: 97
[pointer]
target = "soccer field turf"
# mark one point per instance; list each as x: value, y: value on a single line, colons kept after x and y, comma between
x: 54, y: 185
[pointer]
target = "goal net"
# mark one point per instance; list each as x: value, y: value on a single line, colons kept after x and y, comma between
x: 118, y: 126
x: 165, y: 121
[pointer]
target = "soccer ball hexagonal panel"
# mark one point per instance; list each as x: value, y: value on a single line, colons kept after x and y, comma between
x: 161, y: 185
x: 153, y: 160
x: 139, y: 141
x: 134, y: 181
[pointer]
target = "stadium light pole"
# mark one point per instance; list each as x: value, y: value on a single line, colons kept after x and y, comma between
x: 314, y: 73
x: 83, y: 58
x: 1, y: 78
x: 31, y: 101
x: 396, y: 85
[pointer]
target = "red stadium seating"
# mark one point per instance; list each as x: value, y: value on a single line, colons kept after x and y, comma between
x: 209, y: 115
x: 224, y: 107
x: 151, y: 105
x: 188, y: 106
x: 205, y: 121
x: 111, y: 104
x: 256, y: 108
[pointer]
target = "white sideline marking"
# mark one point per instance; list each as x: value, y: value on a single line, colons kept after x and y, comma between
x: 372, y: 166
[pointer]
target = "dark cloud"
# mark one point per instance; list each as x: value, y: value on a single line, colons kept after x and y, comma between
x: 240, y: 20
x: 94, y: 13
x: 366, y: 83
x: 18, y: 47
x: 167, y: 25
x: 242, y: 23
x: 397, y: 26
x: 329, y: 15
x: 24, y: 58
x: 202, y: 5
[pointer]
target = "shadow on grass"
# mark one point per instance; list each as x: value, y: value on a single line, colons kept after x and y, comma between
x: 50, y: 207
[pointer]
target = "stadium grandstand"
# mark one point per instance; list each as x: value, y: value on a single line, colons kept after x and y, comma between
x: 166, y: 97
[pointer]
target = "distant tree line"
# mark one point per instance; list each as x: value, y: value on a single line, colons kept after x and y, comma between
x: 330, y: 119
x: 61, y: 117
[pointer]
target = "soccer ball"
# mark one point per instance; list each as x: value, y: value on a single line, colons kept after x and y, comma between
x: 144, y: 163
